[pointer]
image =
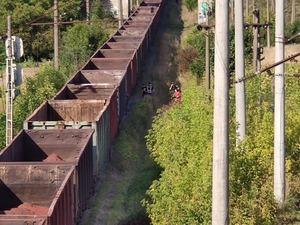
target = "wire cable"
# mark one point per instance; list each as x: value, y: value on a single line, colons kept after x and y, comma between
x: 47, y: 12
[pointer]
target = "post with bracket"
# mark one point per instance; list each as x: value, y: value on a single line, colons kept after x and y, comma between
x: 9, y: 86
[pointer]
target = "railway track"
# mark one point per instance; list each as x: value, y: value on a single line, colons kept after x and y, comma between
x: 49, y: 170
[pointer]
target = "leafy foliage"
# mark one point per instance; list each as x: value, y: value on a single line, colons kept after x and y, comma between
x: 251, y: 170
x: 79, y: 42
x: 38, y: 40
x: 197, y: 41
x: 190, y: 4
x: 2, y: 130
x: 99, y: 10
x: 182, y: 194
x: 36, y: 90
x: 293, y: 29
x: 180, y: 142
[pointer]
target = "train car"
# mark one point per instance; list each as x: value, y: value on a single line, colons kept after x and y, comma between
x: 157, y: 5
x: 59, y: 146
x: 37, y: 193
x: 21, y: 220
x: 128, y: 46
x: 116, y: 78
x: 138, y: 32
x: 122, y: 54
x: 83, y: 91
x: 130, y: 40
x: 113, y: 64
x: 59, y: 115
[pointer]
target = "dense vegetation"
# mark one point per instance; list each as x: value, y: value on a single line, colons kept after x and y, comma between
x: 180, y: 141
x: 38, y: 40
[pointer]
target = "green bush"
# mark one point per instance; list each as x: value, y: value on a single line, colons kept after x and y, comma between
x: 2, y: 130
x: 34, y: 91
x: 190, y: 4
x: 293, y: 29
x: 79, y: 42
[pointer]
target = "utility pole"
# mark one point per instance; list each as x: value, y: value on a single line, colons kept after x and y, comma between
x: 232, y: 10
x: 56, y: 35
x: 293, y: 11
x: 247, y: 8
x: 279, y: 110
x: 268, y: 28
x: 207, y: 55
x: 88, y: 10
x: 14, y: 50
x: 255, y: 38
x: 204, y: 14
x: 240, y: 93
x: 131, y: 6
x: 120, y: 13
x: 220, y: 185
x: 272, y: 5
x: 9, y: 81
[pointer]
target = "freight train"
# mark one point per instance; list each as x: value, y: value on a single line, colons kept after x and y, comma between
x: 48, y: 171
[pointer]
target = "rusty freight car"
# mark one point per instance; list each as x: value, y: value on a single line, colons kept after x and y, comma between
x: 76, y: 114
x: 114, y: 78
x: 59, y: 146
x: 37, y: 194
x: 122, y: 54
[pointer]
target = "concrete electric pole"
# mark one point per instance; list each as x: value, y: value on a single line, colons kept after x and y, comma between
x: 207, y: 55
x: 204, y: 13
x: 255, y: 38
x: 247, y: 8
x: 56, y: 35
x: 268, y: 28
x: 240, y: 93
x: 120, y: 13
x: 293, y: 15
x: 279, y: 111
x: 88, y: 10
x: 220, y: 185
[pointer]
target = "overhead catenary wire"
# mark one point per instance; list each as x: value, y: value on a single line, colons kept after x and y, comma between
x: 267, y: 69
x: 47, y: 12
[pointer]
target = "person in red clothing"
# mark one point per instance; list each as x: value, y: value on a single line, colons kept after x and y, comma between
x: 177, y: 95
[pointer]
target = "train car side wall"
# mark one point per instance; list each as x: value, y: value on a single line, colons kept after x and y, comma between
x: 69, y: 146
x: 35, y: 185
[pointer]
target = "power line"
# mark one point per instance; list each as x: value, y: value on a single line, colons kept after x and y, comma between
x: 72, y: 22
x: 47, y: 12
x: 267, y: 69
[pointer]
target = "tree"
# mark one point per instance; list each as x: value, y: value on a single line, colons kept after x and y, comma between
x: 34, y: 91
x: 181, y: 143
x: 79, y: 42
x: 34, y: 37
